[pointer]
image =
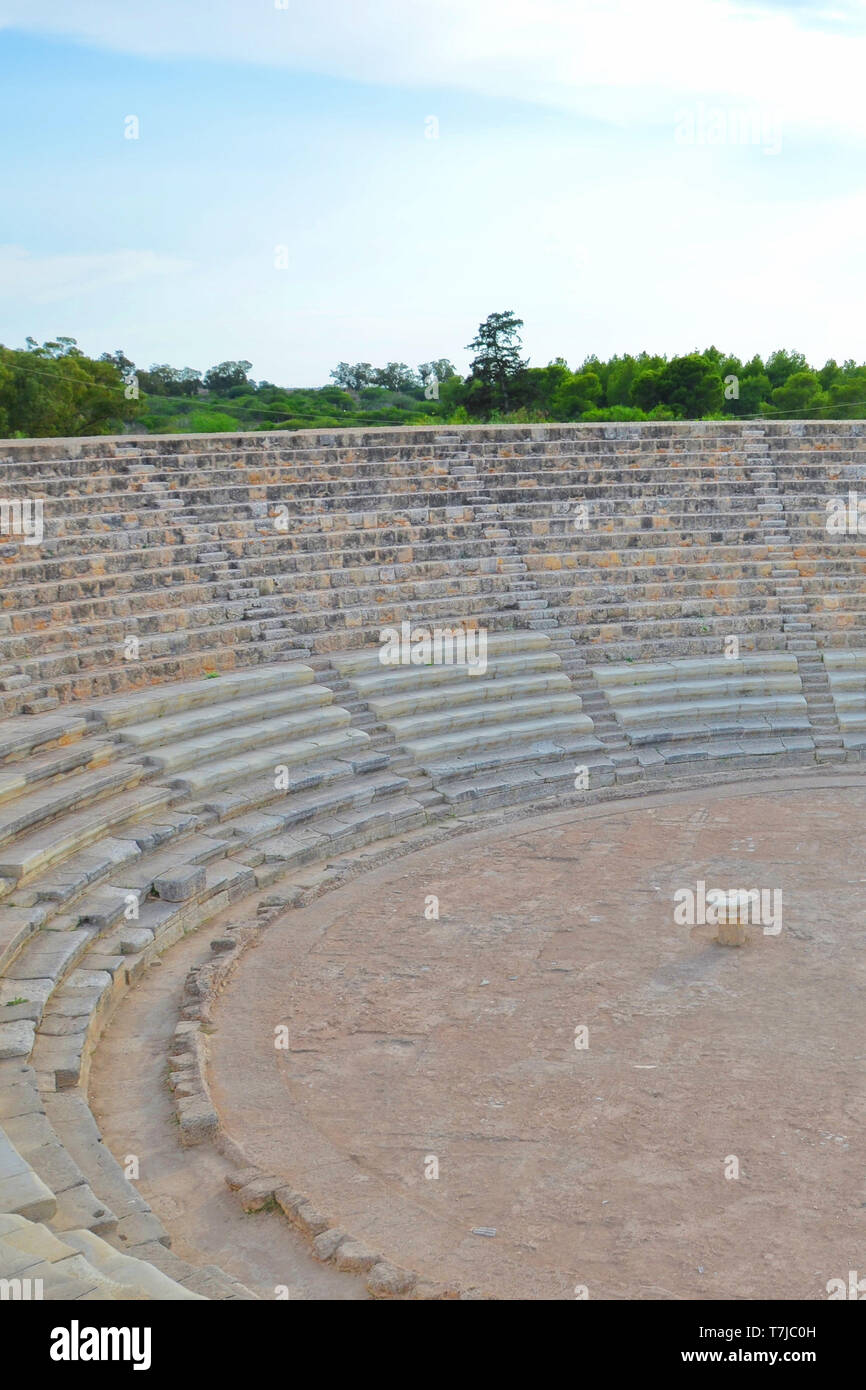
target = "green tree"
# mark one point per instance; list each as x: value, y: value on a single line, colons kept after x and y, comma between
x: 782, y: 364
x: 534, y: 388
x: 433, y: 376
x: 646, y: 388
x: 497, y: 354
x: 691, y: 386
x: 847, y: 393
x: 396, y: 376
x: 124, y: 364
x: 620, y: 375
x: 353, y: 377
x: 577, y: 394
x: 754, y: 393
x: 225, y: 375
x: 163, y: 380
x: 453, y: 393
x: 801, y: 394
x: 828, y: 373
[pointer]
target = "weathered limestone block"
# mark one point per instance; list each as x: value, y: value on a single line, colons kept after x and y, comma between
x: 177, y: 885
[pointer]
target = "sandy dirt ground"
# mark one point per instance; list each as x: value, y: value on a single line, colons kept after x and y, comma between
x: 420, y: 1044
x: 132, y: 1103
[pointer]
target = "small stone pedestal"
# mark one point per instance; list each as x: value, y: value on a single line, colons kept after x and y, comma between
x: 733, y: 916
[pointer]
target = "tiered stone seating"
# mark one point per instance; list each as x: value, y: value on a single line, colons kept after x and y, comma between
x: 724, y: 708
x: 176, y: 543
x: 669, y: 561
x: 213, y: 582
x: 151, y: 812
x: 254, y: 731
x: 513, y: 732
x: 118, y: 801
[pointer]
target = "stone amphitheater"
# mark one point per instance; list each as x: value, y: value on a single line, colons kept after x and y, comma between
x: 196, y: 730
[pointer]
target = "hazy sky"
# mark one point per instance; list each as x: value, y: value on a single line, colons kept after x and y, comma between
x: 623, y: 174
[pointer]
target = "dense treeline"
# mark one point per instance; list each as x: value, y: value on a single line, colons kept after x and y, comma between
x: 56, y: 389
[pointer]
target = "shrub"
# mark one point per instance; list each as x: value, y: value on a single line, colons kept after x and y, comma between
x: 212, y: 422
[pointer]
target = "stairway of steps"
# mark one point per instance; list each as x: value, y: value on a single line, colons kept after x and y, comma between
x: 451, y: 450
x: 845, y: 672
x: 17, y: 685
x: 276, y: 624
x: 227, y: 573
x: 419, y: 786
x: 798, y: 627
x: 532, y: 603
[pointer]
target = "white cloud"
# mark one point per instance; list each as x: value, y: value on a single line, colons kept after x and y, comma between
x: 618, y: 60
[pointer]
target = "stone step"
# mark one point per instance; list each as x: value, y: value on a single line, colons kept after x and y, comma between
x: 78, y: 789
x: 40, y: 706
x: 471, y: 690
x: 714, y: 713
x: 359, y: 666
x: 22, y: 1192
x: 20, y: 775
x: 306, y: 725
x: 265, y: 761
x: 242, y: 714
x: 436, y: 720
x: 698, y: 668
x: 35, y: 851
x: 136, y: 707
x: 432, y: 750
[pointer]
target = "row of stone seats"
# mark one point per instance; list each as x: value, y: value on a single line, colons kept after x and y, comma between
x: 114, y: 524
x: 846, y: 672
x: 314, y: 547
x: 394, y: 453
x: 247, y: 635
x: 634, y: 600
x: 130, y: 492
x: 47, y: 458
x: 212, y: 492
x: 671, y: 562
x: 511, y: 731
x: 696, y: 438
x: 124, y: 495
x: 737, y: 710
x: 208, y: 496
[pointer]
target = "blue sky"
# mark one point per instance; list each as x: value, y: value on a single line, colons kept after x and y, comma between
x: 622, y: 175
